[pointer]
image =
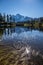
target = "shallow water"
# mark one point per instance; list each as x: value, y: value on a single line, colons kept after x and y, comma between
x: 21, y: 46
x: 32, y: 37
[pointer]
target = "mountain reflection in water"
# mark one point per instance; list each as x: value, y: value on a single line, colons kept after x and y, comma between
x: 25, y: 35
x: 21, y: 46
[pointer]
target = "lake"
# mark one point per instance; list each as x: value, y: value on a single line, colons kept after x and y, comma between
x: 21, y: 46
x: 27, y: 36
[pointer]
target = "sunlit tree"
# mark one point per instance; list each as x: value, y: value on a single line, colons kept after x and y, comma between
x: 7, y: 18
x: 4, y: 17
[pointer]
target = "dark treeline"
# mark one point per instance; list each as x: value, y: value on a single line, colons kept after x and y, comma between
x: 34, y: 22
x: 9, y: 18
x: 6, y: 18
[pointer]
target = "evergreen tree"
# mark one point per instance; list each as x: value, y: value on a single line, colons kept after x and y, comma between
x: 10, y: 18
x: 1, y: 19
x: 7, y: 18
x: 4, y: 17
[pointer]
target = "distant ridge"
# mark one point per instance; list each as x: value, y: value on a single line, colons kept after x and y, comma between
x: 20, y: 18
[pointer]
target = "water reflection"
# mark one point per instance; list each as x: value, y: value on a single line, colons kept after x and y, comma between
x: 23, y: 35
x: 21, y: 32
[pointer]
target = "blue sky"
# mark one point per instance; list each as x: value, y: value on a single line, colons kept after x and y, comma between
x: 31, y: 8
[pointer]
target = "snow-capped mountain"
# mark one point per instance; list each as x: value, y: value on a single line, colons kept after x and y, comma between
x: 20, y: 18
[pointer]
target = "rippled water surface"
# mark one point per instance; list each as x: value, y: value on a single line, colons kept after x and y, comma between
x: 21, y: 46
x: 23, y: 35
